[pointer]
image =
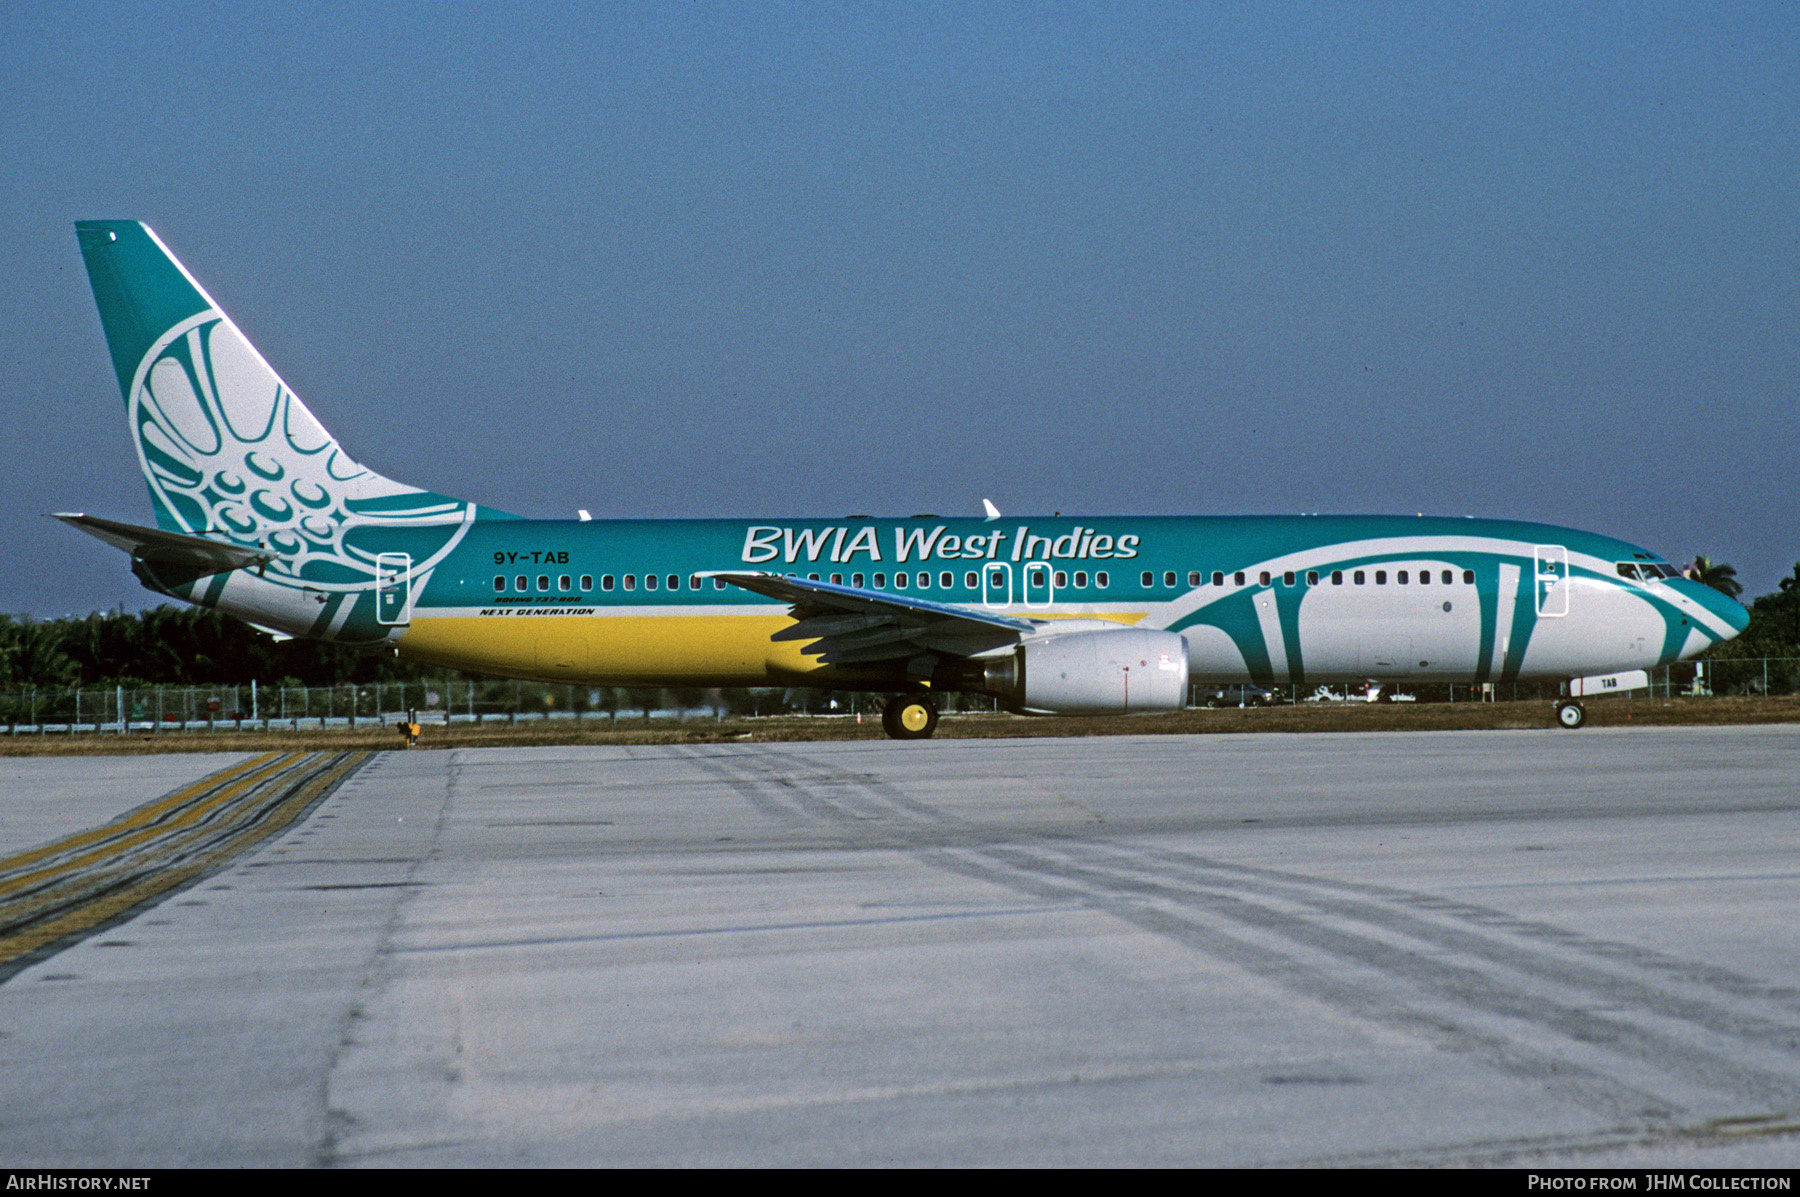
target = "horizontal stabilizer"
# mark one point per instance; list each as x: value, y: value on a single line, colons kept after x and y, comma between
x: 188, y: 553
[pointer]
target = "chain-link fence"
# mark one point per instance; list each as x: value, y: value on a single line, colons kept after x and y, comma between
x: 1747, y: 676
x: 139, y: 710
x: 254, y: 706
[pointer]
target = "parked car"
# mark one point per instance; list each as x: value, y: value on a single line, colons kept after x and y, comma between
x: 1239, y: 696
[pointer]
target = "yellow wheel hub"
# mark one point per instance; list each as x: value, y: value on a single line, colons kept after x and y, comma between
x: 914, y: 716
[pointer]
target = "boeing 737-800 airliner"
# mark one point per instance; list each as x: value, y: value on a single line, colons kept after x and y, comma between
x: 261, y: 515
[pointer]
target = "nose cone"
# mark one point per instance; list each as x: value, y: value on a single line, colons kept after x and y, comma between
x: 1727, y: 610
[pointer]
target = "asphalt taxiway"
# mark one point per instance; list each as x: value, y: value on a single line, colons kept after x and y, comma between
x: 1409, y: 948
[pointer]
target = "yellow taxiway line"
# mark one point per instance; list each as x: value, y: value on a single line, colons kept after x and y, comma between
x: 63, y: 891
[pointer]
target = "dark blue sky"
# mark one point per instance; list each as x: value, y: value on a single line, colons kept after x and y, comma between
x: 699, y: 259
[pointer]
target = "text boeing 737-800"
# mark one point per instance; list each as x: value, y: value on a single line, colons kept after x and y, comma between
x: 261, y: 515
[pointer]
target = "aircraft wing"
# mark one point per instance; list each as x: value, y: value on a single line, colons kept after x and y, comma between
x: 847, y: 624
x: 153, y: 545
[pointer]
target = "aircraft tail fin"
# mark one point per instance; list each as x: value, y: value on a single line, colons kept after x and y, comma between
x: 228, y: 450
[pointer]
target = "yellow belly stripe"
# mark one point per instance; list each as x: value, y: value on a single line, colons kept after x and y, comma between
x: 619, y: 650
x: 673, y: 650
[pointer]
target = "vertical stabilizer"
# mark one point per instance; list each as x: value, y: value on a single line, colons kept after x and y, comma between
x: 228, y: 450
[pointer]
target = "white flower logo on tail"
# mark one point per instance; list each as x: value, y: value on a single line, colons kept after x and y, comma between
x: 229, y: 450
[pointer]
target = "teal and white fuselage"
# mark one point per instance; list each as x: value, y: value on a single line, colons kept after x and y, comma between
x: 1297, y: 599
x: 261, y: 514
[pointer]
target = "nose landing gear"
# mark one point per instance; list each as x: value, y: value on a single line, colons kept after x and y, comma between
x: 1569, y: 714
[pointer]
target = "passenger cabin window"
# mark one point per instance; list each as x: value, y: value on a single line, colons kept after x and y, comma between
x: 1101, y: 579
x: 947, y: 580
x: 1357, y: 577
x: 649, y: 581
x: 606, y: 581
x: 1149, y: 579
x: 1337, y: 577
x: 562, y: 584
x: 1381, y: 577
x: 1237, y: 579
x: 543, y: 582
x: 1445, y: 577
x: 1468, y: 577
x: 1424, y: 577
x: 1193, y: 577
x: 837, y: 579
x: 1312, y: 577
x: 1287, y: 578
x: 1062, y: 579
x: 880, y: 581
x: 1080, y: 579
x: 1263, y: 578
x: 1218, y: 577
x: 718, y: 583
x: 694, y: 582
x: 521, y: 583
x: 856, y: 580
x: 499, y: 583
x: 972, y: 580
x: 1169, y: 579
x: 631, y: 581
x: 587, y: 581
x: 899, y: 581
x: 675, y: 581
x: 1400, y: 578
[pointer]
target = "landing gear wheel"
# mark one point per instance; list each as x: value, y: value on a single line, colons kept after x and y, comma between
x: 1570, y: 715
x: 909, y: 717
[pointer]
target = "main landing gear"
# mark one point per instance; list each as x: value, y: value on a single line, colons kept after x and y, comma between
x: 1569, y: 714
x: 909, y: 717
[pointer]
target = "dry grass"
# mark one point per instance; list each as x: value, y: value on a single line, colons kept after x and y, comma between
x: 1341, y: 717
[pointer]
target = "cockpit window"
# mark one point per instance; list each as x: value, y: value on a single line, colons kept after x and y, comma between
x: 1648, y: 571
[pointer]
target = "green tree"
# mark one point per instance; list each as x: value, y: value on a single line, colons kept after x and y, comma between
x: 35, y: 656
x: 1718, y: 575
x: 1774, y: 629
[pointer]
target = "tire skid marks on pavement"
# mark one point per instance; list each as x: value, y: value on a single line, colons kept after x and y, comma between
x: 1611, y: 1024
x: 1494, y: 979
x: 777, y: 805
x: 1604, y: 969
x: 792, y: 787
x: 1358, y: 995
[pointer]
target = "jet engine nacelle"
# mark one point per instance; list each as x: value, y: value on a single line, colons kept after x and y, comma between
x: 1101, y: 673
